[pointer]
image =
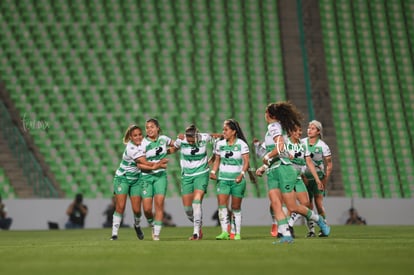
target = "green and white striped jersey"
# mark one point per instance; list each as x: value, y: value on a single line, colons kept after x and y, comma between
x: 231, y: 158
x: 193, y: 158
x: 273, y: 130
x: 317, y: 153
x: 297, y: 150
x: 128, y: 165
x: 154, y: 151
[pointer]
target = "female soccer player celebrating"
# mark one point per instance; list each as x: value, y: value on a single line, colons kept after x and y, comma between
x: 283, y: 116
x: 296, y: 148
x: 317, y: 155
x: 230, y: 165
x: 126, y: 180
x: 154, y: 182
x: 194, y: 174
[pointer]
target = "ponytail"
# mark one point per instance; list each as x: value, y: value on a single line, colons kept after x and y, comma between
x: 127, y: 135
x: 234, y: 125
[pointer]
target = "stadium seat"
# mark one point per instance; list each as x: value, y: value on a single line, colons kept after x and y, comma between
x: 360, y: 32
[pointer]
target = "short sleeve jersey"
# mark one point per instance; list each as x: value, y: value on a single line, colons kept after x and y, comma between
x: 154, y: 151
x: 273, y: 130
x: 317, y: 153
x: 231, y: 158
x: 193, y: 157
x: 128, y: 165
x: 297, y: 150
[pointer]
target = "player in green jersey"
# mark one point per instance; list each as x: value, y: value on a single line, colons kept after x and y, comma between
x: 194, y: 174
x: 126, y: 180
x: 317, y: 155
x: 283, y: 117
x: 230, y: 165
x: 154, y: 182
x: 297, y: 148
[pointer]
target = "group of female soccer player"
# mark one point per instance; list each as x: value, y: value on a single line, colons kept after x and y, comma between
x: 297, y: 171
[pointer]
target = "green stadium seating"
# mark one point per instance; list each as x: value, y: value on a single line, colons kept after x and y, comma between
x: 364, y: 42
x: 6, y: 188
x: 90, y: 69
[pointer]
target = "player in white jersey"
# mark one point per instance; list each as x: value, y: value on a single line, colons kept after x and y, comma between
x: 283, y: 116
x: 297, y: 148
x: 194, y: 174
x: 126, y: 181
x: 154, y: 182
x: 230, y: 165
x: 318, y: 155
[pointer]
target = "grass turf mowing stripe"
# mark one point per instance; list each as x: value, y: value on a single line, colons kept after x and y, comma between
x: 350, y: 249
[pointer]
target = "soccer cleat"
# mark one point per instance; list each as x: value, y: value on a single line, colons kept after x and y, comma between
x: 114, y: 238
x: 237, y: 237
x: 326, y: 229
x: 195, y: 237
x: 139, y: 232
x: 274, y: 232
x: 223, y: 236
x: 292, y: 231
x: 284, y: 239
x: 156, y: 238
x: 311, y: 235
x: 232, y: 236
x: 321, y: 235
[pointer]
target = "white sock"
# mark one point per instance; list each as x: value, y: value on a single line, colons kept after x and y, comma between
x: 224, y: 222
x: 116, y: 223
x: 157, y: 229
x: 314, y: 216
x: 293, y: 218
x: 311, y: 226
x: 198, y: 216
x: 237, y: 220
x: 284, y: 229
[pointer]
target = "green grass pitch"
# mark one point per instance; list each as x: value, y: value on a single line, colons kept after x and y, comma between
x: 349, y: 250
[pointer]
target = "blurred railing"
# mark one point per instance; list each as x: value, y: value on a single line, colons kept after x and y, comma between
x: 42, y: 186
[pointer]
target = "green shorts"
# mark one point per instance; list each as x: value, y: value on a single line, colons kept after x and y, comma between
x: 283, y: 177
x: 154, y: 184
x: 191, y: 183
x: 229, y: 187
x: 126, y: 185
x: 313, y: 190
x: 300, y: 185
